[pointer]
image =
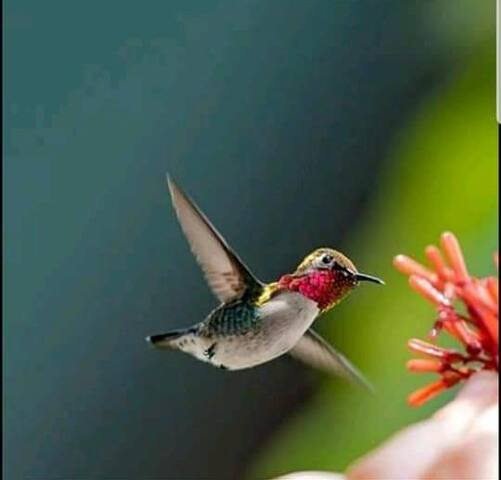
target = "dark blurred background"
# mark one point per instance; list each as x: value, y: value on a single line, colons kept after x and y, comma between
x: 294, y: 124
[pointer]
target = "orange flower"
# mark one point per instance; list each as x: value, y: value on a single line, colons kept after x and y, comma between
x: 446, y: 284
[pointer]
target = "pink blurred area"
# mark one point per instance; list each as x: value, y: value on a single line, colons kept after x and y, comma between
x: 458, y: 442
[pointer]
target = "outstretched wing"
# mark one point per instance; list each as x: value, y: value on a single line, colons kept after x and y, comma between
x: 315, y: 351
x: 226, y: 274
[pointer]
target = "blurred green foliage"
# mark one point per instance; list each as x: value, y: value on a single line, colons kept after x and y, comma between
x: 441, y: 175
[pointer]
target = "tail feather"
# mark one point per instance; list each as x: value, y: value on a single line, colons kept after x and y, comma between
x: 166, y: 340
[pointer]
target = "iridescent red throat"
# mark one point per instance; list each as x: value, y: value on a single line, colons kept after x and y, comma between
x: 322, y: 286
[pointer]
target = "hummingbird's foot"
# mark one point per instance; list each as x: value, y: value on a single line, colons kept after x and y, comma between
x: 211, y: 351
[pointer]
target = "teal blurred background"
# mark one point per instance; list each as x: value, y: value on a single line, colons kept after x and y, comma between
x: 367, y: 126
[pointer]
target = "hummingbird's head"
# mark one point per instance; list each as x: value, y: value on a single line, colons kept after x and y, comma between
x: 325, y: 276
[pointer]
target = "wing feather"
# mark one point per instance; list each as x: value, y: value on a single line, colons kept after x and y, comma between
x: 315, y: 351
x: 226, y: 274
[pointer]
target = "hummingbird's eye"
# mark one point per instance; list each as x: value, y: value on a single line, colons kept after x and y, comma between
x: 326, y: 259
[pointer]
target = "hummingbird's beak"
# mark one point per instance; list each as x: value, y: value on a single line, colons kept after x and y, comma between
x: 363, y: 277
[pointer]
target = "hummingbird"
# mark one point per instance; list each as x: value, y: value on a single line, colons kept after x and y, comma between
x: 256, y: 322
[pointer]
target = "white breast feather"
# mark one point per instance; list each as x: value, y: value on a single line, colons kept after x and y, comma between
x: 285, y: 319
